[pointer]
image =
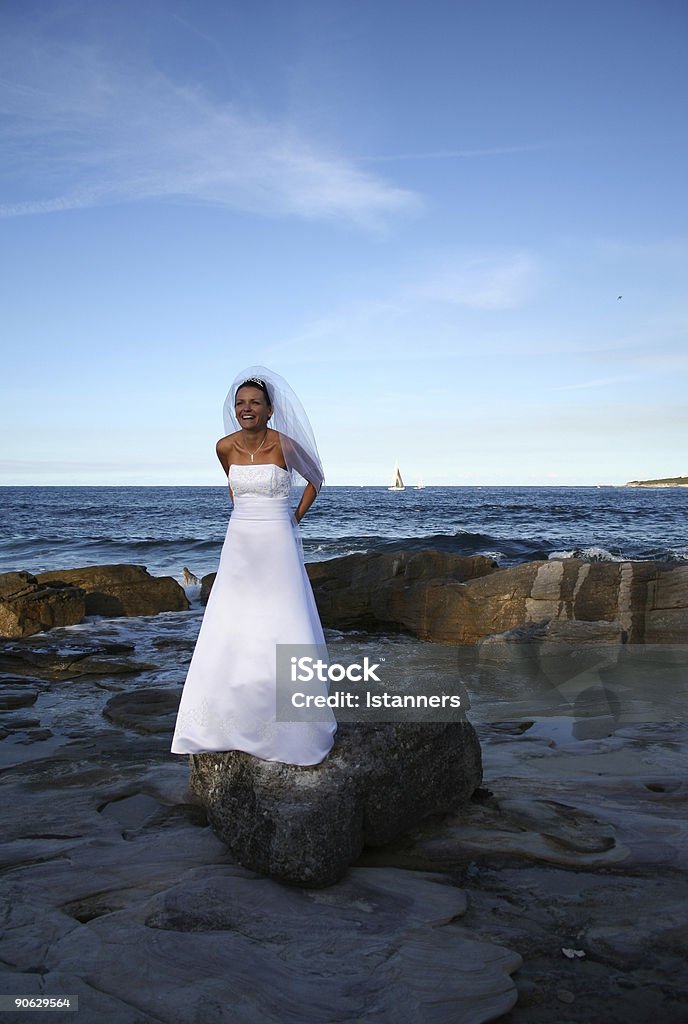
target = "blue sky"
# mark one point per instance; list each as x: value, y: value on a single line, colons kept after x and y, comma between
x: 421, y: 214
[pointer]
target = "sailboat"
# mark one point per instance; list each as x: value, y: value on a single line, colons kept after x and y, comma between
x: 397, y: 482
x: 420, y: 485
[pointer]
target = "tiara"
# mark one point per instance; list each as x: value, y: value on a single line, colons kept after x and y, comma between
x: 253, y: 380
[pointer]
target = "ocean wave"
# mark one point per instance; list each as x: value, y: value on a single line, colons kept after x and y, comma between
x: 500, y: 549
x: 598, y: 554
x: 84, y: 541
x: 591, y: 554
x: 326, y: 556
x: 503, y: 550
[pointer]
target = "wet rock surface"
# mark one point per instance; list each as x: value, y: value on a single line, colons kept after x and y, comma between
x: 116, y: 889
x: 28, y: 606
x: 16, y: 696
x: 147, y: 710
x: 33, y: 604
x: 121, y: 589
x: 50, y: 658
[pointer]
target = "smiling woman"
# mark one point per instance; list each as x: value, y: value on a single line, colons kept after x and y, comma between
x: 261, y: 596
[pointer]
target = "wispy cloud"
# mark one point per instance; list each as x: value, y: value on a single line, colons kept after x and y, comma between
x: 375, y: 329
x: 81, y: 131
x: 462, y: 154
x: 487, y: 282
x: 595, y: 382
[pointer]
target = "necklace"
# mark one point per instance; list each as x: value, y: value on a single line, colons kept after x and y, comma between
x: 257, y: 449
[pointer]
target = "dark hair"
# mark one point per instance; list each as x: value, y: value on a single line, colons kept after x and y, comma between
x: 255, y: 382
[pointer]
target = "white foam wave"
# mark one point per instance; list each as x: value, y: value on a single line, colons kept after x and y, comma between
x: 496, y: 556
x: 340, y: 554
x: 590, y: 554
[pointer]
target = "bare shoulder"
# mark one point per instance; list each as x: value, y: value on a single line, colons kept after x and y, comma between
x: 275, y: 446
x: 225, y: 448
x: 226, y: 444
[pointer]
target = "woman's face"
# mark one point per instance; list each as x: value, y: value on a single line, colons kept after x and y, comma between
x: 251, y: 408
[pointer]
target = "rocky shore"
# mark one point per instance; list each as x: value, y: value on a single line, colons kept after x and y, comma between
x: 438, y: 597
x: 557, y: 891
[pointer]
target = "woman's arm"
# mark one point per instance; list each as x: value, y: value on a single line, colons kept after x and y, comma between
x: 307, y: 498
x: 222, y: 450
x: 296, y: 457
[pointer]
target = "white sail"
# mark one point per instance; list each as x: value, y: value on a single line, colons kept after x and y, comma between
x: 397, y: 482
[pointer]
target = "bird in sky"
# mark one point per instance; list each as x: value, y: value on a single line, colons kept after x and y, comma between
x: 619, y: 297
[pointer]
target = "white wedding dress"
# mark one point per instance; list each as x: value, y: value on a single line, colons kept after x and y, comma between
x: 261, y: 597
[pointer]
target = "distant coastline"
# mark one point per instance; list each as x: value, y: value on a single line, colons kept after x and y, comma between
x: 669, y: 481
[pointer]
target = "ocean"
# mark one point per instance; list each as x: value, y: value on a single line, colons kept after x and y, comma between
x: 166, y: 528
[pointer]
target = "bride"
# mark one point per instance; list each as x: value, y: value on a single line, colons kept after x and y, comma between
x: 261, y: 596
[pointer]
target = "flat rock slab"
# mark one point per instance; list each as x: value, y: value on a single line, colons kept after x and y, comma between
x: 499, y: 832
x: 219, y: 943
x: 305, y: 825
x: 150, y: 710
x: 16, y: 697
x: 55, y: 660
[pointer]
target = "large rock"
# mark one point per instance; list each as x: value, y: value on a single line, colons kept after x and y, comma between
x: 122, y: 589
x: 305, y: 825
x: 450, y: 599
x: 666, y: 615
x: 62, y: 597
x: 557, y: 589
x: 30, y: 605
x: 206, y: 586
x: 386, y: 590
x: 376, y: 589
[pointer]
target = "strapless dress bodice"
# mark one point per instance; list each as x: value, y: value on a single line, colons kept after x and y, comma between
x: 268, y: 480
